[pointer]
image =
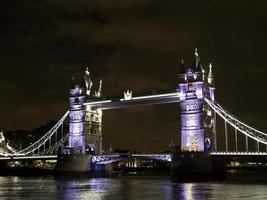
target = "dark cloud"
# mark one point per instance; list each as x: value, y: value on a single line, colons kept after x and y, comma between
x: 130, y: 44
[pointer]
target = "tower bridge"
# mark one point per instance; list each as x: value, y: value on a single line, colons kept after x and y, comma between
x: 199, y: 111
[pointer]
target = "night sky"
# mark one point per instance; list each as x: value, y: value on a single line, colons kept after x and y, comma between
x: 130, y: 45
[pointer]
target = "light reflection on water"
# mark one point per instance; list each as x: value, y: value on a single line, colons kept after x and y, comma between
x: 124, y: 188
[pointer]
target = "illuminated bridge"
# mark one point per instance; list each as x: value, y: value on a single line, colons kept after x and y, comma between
x: 199, y: 112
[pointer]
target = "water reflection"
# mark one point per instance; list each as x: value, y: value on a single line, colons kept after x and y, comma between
x: 186, y: 191
x: 190, y: 191
x: 95, y: 188
x: 131, y: 188
x: 126, y: 187
x: 115, y: 188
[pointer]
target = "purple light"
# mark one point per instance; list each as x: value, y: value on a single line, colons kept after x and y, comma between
x: 77, y: 117
x: 191, y: 95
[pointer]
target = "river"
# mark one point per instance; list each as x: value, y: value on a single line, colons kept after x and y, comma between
x: 125, y: 188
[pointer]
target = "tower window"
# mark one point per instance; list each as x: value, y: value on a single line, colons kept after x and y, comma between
x: 76, y: 100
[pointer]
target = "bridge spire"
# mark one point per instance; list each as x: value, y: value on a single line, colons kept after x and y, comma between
x: 182, y: 67
x: 198, y: 67
x: 210, y: 75
x: 99, y: 92
x: 110, y: 148
x: 2, y: 137
x: 88, y: 82
x: 72, y: 85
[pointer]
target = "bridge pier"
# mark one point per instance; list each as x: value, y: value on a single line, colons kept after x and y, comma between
x: 85, y: 129
x: 80, y: 163
x: 73, y: 163
x: 187, y: 165
x: 193, y: 160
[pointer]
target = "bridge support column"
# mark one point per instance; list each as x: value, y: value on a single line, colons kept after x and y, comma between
x: 246, y: 143
x: 214, y: 131
x: 226, y: 136
x: 236, y: 142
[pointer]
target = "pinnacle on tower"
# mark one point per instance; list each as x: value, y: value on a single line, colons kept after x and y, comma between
x: 100, y: 88
x: 87, y: 71
x: 73, y: 84
x: 182, y: 67
x: 98, y: 93
x: 110, y: 147
x: 196, y: 54
x: 210, y: 75
x: 198, y: 67
x: 88, y: 81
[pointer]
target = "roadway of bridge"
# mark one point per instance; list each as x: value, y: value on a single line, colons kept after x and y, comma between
x: 48, y: 157
x: 119, y: 102
x: 167, y: 157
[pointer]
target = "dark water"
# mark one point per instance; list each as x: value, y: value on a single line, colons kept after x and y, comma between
x: 122, y: 188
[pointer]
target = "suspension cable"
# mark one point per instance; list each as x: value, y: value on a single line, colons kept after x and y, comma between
x: 240, y: 126
x: 43, y: 139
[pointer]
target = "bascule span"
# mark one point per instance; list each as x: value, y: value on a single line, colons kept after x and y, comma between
x: 129, y: 99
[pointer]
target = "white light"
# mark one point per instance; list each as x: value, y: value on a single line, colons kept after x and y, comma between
x: 97, y: 102
x: 155, y: 96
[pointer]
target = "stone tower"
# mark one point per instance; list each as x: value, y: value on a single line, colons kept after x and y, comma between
x: 77, y: 117
x: 191, y: 92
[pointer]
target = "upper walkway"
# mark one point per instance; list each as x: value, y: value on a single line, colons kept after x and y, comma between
x: 135, y: 99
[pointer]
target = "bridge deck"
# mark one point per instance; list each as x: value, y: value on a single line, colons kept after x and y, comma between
x: 115, y: 102
x: 238, y: 153
x: 164, y: 157
x: 49, y: 157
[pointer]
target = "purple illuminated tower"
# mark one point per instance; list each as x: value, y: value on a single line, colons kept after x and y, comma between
x: 77, y: 117
x: 191, y: 92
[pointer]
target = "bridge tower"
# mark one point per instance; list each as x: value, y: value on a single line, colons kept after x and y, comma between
x: 77, y: 117
x: 191, y: 92
x: 93, y: 117
x: 197, y: 125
